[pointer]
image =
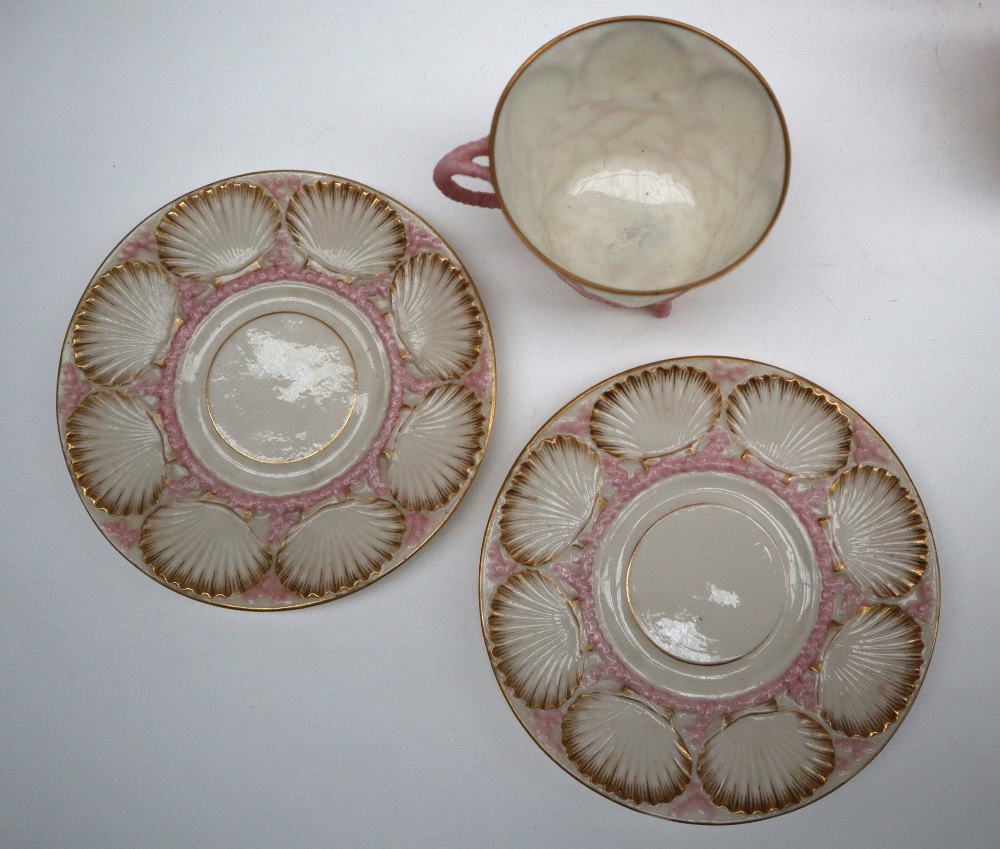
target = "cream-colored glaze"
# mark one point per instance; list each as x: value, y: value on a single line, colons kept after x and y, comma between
x: 749, y: 514
x: 281, y: 387
x: 274, y: 451
x: 706, y: 584
x: 639, y: 155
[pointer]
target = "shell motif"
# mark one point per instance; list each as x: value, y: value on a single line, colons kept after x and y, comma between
x: 877, y: 532
x: 339, y: 546
x: 626, y: 747
x: 434, y: 448
x: 346, y: 229
x: 537, y: 640
x: 788, y: 426
x: 218, y: 231
x: 655, y: 412
x: 765, y: 762
x: 550, y: 500
x: 116, y: 453
x: 436, y: 317
x: 125, y: 323
x: 868, y: 671
x: 204, y: 547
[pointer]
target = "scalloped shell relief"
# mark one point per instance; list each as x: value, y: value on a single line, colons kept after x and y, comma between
x: 346, y: 229
x: 767, y: 761
x: 627, y: 747
x: 203, y: 546
x: 434, y: 448
x: 125, y: 323
x: 655, y: 412
x: 877, y: 532
x: 550, y: 499
x: 340, y: 546
x: 537, y: 640
x: 435, y: 316
x: 869, y: 670
x: 218, y: 231
x: 789, y: 427
x: 117, y: 452
x: 275, y: 536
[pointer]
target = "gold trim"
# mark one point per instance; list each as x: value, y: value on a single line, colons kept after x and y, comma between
x: 597, y: 287
x: 910, y: 633
x: 913, y: 562
x: 933, y: 569
x: 504, y: 657
x: 489, y: 403
x: 358, y: 197
x: 205, y: 197
x: 396, y: 534
x: 775, y: 383
x: 644, y: 380
x: 623, y: 788
x: 515, y: 494
x: 806, y: 783
x: 466, y: 303
x: 350, y: 412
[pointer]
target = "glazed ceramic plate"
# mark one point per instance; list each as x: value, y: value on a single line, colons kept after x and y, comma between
x: 276, y: 389
x: 709, y: 590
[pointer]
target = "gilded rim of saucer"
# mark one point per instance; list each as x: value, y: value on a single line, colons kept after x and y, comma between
x: 837, y: 743
x: 202, y: 278
x: 644, y: 293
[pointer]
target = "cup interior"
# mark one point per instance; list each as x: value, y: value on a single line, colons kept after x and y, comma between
x: 639, y: 156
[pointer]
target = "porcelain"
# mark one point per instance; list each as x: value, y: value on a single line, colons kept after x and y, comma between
x: 709, y: 590
x: 638, y: 157
x: 276, y: 389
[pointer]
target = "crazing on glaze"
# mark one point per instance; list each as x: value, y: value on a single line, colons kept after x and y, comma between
x: 757, y: 598
x: 261, y: 376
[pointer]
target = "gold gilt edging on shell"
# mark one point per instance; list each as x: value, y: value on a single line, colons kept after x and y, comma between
x: 908, y: 566
x: 507, y: 656
x: 517, y: 496
x: 760, y: 385
x: 621, y: 393
x: 605, y: 762
x: 356, y: 198
x: 467, y: 306
x: 206, y: 201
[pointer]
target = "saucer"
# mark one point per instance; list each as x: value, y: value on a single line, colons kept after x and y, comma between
x: 276, y: 389
x: 709, y: 590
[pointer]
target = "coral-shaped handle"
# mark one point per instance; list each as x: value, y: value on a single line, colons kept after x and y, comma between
x: 460, y: 161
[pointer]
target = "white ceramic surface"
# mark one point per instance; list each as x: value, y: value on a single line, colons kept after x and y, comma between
x: 276, y: 389
x: 722, y: 628
x: 639, y: 157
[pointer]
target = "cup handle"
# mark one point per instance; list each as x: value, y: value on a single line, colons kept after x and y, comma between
x: 460, y: 161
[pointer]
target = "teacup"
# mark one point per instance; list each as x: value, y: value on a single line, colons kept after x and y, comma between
x: 637, y: 157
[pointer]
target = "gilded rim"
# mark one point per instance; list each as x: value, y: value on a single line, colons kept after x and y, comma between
x: 597, y: 287
x: 489, y: 400
x: 930, y: 644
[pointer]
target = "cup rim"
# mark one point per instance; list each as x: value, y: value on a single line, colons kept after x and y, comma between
x: 598, y: 287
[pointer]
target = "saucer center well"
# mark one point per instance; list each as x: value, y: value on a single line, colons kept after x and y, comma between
x: 706, y: 584
x: 281, y: 387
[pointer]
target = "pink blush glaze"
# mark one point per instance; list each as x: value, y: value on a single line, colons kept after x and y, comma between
x: 365, y: 469
x: 480, y: 380
x: 144, y: 241
x: 122, y: 534
x: 579, y: 575
x: 74, y: 389
x: 417, y: 525
x: 270, y: 588
x: 694, y: 803
x: 420, y: 238
x: 866, y: 446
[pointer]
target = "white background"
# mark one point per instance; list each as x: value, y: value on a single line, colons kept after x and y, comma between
x: 133, y: 717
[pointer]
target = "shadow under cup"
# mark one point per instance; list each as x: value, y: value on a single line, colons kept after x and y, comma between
x: 639, y: 158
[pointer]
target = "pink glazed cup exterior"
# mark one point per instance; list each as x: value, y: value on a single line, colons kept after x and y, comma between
x: 637, y: 157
